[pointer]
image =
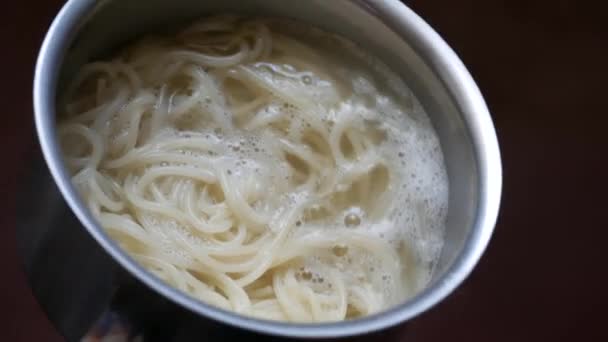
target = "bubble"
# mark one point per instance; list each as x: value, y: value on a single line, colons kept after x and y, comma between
x: 352, y: 220
x: 339, y: 250
x: 306, y: 79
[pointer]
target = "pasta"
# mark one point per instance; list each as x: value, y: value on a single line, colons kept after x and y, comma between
x: 262, y: 167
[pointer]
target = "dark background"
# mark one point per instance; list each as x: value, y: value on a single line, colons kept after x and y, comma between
x: 542, y: 68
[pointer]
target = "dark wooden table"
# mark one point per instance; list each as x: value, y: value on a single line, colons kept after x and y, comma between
x: 542, y: 67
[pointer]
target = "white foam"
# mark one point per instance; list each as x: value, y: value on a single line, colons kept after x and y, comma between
x: 413, y: 154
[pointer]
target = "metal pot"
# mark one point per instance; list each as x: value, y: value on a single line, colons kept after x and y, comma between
x: 88, y: 29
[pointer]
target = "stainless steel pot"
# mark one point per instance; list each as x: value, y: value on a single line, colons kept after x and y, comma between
x: 87, y: 29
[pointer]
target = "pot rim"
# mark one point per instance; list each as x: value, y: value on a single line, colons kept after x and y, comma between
x: 431, y: 48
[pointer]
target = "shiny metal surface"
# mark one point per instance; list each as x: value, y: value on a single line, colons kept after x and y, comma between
x: 71, y: 276
x: 87, y: 29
